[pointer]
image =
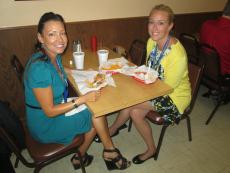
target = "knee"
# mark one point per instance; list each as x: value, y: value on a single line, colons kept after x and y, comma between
x: 125, y: 112
x: 135, y: 114
x: 93, y: 130
x: 100, y: 120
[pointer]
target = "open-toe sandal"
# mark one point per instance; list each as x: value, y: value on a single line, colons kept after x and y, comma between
x: 118, y: 162
x: 86, y: 159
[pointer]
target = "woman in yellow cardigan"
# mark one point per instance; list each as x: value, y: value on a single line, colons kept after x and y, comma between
x: 166, y: 55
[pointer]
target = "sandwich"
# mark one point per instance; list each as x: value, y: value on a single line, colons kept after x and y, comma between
x: 97, y: 81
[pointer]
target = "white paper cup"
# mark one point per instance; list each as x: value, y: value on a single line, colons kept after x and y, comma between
x: 102, y: 56
x: 79, y: 60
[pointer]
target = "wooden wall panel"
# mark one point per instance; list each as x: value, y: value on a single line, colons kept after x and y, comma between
x: 191, y: 23
x: 21, y: 41
x: 108, y: 32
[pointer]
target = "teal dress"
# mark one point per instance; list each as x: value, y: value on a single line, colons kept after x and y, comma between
x: 60, y: 129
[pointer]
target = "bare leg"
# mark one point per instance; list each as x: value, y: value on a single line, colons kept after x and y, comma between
x: 122, y: 117
x: 143, y: 127
x: 102, y: 129
x: 88, y: 138
x: 101, y: 126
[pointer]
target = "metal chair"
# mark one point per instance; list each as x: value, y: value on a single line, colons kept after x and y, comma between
x: 195, y: 73
x: 218, y: 84
x: 137, y: 52
x: 191, y: 46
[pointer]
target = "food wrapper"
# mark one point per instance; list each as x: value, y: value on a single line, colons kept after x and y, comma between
x: 91, y: 80
x: 113, y: 66
x: 145, y: 75
x: 142, y: 74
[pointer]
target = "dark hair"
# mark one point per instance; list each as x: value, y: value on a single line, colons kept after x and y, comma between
x: 50, y: 16
x: 226, y: 10
x: 46, y: 17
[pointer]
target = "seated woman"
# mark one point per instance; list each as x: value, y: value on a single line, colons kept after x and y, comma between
x: 45, y: 82
x: 166, y: 55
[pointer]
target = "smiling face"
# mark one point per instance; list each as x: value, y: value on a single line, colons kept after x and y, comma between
x: 53, y: 38
x: 159, y: 26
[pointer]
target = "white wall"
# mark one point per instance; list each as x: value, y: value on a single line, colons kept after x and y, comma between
x: 23, y: 13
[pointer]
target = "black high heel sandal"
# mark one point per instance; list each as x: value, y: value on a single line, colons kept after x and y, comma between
x: 113, y: 163
x: 86, y: 159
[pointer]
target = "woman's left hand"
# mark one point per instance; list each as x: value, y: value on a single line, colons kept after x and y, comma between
x: 89, y: 97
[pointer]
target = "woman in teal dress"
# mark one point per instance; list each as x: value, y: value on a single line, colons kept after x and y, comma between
x: 46, y: 91
x: 41, y: 74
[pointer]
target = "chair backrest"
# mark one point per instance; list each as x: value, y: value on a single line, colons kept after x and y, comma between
x: 210, y: 58
x: 191, y: 46
x: 195, y: 73
x: 137, y: 52
x: 120, y: 50
x: 18, y: 67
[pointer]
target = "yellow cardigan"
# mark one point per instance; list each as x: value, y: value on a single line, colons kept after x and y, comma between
x: 175, y: 67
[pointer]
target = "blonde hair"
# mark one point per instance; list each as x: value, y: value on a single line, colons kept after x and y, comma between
x: 165, y: 8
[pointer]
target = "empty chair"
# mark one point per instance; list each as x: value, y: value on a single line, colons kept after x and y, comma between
x: 191, y: 46
x: 120, y: 50
x: 218, y: 84
x: 137, y: 52
x: 195, y: 73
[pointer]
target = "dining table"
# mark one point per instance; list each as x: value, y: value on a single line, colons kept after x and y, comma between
x: 128, y: 91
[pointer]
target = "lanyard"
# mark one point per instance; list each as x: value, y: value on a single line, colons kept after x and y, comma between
x: 66, y: 92
x: 153, y: 55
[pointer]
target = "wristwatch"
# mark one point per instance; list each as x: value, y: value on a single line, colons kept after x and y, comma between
x: 74, y: 103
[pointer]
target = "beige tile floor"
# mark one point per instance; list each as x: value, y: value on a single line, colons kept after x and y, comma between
x: 209, y: 151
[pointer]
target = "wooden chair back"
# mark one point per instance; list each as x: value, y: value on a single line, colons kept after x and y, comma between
x: 137, y: 52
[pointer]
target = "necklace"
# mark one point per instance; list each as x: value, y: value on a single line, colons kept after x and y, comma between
x: 154, y: 61
x: 66, y: 92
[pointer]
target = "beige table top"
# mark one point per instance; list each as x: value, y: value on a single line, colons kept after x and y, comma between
x: 127, y: 92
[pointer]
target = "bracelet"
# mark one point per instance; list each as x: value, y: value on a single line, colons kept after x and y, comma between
x: 74, y: 103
